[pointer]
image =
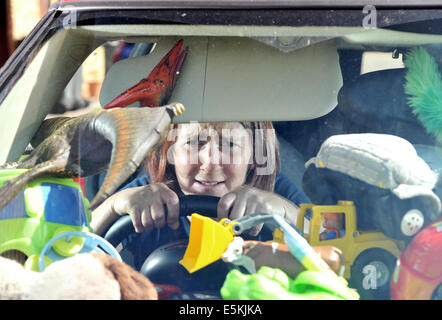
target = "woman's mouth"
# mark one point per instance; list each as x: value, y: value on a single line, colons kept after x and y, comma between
x: 209, y: 183
x: 215, y: 187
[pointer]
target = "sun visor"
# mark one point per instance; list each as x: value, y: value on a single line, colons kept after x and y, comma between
x: 241, y: 79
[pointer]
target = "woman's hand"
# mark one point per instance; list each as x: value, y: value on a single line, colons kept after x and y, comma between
x: 144, y: 204
x: 246, y: 200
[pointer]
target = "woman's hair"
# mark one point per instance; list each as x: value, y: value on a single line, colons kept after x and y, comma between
x: 265, y: 146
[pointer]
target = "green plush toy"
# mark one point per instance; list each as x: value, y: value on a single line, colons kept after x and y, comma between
x: 274, y: 284
x: 424, y: 87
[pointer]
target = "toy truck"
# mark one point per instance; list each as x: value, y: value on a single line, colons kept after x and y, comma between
x: 370, y: 256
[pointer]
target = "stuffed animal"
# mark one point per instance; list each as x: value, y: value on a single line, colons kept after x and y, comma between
x: 86, y: 276
x: 424, y: 88
x: 398, y: 186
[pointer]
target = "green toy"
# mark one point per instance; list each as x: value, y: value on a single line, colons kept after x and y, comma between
x: 273, y: 284
x: 209, y: 240
x: 47, y: 221
x: 424, y: 87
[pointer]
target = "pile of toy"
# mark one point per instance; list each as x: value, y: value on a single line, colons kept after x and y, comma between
x: 384, y: 244
x: 391, y: 237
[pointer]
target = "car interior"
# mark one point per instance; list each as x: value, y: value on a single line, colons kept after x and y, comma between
x: 312, y: 82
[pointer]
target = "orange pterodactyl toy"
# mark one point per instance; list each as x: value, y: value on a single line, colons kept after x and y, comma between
x: 156, y: 89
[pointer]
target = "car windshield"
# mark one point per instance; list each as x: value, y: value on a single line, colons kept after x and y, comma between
x: 354, y: 97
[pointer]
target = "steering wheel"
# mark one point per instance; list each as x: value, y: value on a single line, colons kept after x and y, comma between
x: 189, y: 204
x: 162, y: 265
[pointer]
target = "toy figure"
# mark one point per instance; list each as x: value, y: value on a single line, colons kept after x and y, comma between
x: 120, y: 138
x: 392, y: 189
x: 332, y: 226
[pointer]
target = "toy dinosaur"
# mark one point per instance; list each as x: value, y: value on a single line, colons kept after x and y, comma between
x: 116, y: 139
x: 156, y: 89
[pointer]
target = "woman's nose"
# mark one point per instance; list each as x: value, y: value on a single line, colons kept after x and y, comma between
x: 209, y: 154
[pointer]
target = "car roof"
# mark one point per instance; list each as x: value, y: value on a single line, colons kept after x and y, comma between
x: 237, y: 4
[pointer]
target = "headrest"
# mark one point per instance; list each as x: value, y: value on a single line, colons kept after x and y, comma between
x: 234, y: 78
x: 376, y: 102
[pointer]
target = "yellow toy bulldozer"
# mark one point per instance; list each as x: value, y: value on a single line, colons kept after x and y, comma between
x: 370, y: 256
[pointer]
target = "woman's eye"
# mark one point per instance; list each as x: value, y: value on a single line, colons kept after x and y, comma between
x: 230, y: 144
x: 195, y: 142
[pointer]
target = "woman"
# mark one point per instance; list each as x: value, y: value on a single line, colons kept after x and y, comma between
x: 236, y: 161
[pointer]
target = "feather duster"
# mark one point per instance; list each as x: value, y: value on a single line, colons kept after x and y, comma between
x: 424, y: 87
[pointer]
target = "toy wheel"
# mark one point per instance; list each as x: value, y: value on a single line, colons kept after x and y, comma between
x: 371, y: 273
x: 405, y: 219
x: 437, y: 294
x: 92, y: 243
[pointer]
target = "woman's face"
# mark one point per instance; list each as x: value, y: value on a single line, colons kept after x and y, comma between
x: 212, y: 159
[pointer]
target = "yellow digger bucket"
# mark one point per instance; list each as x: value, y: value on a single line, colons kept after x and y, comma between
x: 208, y: 240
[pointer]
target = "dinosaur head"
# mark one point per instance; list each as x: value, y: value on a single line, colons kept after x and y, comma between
x: 156, y: 89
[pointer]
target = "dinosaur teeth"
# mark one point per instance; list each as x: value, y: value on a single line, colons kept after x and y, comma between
x: 178, y: 109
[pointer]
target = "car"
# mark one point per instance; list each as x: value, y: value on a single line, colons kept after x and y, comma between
x: 46, y: 207
x: 418, y: 275
x: 316, y: 69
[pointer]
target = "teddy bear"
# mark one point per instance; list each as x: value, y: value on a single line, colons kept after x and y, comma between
x: 86, y: 276
x: 393, y: 187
